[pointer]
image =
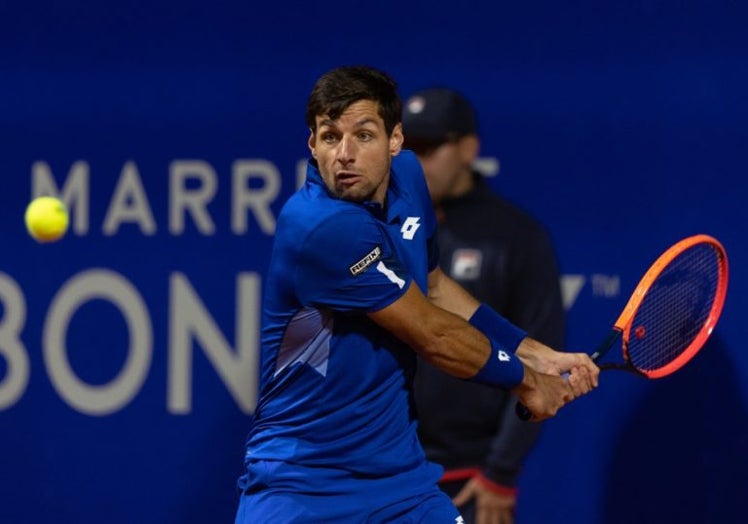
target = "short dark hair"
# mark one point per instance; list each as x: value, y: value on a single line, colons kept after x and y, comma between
x: 343, y: 86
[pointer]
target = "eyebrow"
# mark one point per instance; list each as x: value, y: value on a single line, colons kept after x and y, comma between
x: 331, y: 123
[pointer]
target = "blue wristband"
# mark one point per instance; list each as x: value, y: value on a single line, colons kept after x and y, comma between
x: 497, y: 328
x: 502, y: 369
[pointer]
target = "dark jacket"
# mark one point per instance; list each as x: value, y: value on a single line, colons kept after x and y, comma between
x: 504, y: 257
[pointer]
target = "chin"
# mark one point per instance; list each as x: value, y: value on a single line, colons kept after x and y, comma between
x: 351, y: 195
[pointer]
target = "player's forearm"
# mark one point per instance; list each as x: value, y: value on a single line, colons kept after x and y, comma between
x: 449, y: 342
x: 458, y: 348
x: 502, y: 335
x: 453, y: 345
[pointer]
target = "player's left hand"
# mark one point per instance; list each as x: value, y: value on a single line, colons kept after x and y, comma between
x: 490, y: 507
x: 583, y: 373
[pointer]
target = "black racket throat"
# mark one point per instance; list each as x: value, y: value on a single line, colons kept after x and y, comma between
x: 605, y: 346
x: 622, y: 367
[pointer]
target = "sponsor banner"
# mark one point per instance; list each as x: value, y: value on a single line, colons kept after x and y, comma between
x: 128, y: 350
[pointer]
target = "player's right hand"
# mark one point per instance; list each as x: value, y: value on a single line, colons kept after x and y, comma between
x: 553, y: 378
x: 543, y: 394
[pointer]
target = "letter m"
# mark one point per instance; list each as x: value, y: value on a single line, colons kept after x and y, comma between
x: 74, y: 191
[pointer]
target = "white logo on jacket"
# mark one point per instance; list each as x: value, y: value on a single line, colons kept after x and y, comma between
x: 410, y: 226
x: 466, y: 264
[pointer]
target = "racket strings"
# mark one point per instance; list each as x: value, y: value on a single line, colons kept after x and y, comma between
x: 675, y: 308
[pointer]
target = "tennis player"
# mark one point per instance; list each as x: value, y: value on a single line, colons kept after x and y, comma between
x: 352, y: 294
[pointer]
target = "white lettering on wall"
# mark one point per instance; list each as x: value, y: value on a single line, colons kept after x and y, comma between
x: 194, y: 200
x: 190, y: 321
x: 84, y: 287
x: 74, y: 192
x: 193, y: 185
x: 190, y: 324
x: 257, y: 200
x: 12, y: 349
x: 129, y: 204
x: 300, y: 173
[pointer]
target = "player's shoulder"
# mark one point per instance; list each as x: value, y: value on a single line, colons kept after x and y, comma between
x: 304, y: 215
x: 406, y: 159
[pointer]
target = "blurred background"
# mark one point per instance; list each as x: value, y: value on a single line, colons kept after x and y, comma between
x: 175, y: 131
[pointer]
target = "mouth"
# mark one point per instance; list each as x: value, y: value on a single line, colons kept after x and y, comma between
x: 346, y: 178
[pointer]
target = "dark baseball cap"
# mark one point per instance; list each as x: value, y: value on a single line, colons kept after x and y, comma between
x: 437, y: 115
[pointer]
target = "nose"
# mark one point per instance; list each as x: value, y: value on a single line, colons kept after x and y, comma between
x: 346, y: 151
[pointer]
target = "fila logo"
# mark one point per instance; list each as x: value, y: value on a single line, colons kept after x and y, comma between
x: 466, y: 264
x: 410, y: 226
x: 504, y: 357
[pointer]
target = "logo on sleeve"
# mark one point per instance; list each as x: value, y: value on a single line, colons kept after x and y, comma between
x: 365, y: 262
x: 504, y: 357
x: 391, y: 275
x: 410, y: 226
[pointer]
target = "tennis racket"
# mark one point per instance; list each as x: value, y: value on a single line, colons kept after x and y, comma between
x: 671, y: 313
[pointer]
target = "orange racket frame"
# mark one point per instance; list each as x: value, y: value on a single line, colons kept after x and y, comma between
x: 623, y: 325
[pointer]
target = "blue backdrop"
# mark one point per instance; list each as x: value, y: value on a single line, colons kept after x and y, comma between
x: 175, y: 131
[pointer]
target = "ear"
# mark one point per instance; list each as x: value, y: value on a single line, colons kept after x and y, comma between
x: 312, y: 143
x: 396, y: 140
x: 469, y: 147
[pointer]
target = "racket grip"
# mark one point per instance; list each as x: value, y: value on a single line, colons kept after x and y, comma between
x: 522, y: 412
x: 525, y: 414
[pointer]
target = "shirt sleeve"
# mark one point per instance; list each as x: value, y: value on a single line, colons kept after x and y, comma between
x: 348, y: 264
x: 409, y: 167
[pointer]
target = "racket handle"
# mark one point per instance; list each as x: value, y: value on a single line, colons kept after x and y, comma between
x: 522, y: 412
x: 525, y: 414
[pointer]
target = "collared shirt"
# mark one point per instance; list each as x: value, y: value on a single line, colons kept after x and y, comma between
x: 335, y: 388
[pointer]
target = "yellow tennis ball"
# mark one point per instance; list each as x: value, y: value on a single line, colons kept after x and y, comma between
x: 46, y: 219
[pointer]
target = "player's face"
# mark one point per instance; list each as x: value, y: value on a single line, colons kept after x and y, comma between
x: 354, y: 153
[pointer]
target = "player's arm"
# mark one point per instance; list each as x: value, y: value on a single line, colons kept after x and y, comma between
x: 366, y: 275
x: 441, y: 337
x: 447, y: 294
x: 448, y: 341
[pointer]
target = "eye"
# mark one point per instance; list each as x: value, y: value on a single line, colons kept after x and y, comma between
x: 365, y: 136
x: 328, y: 137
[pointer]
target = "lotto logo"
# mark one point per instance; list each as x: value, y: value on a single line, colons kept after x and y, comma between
x: 410, y: 226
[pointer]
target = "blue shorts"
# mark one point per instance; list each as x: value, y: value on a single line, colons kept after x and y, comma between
x: 433, y: 507
x: 276, y: 491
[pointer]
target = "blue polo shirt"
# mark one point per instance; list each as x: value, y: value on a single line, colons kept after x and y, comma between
x: 335, y: 402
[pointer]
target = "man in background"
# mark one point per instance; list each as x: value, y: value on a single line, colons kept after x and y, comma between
x: 504, y: 257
